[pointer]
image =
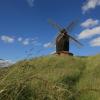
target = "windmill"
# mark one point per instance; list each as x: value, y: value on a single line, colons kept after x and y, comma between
x: 63, y: 37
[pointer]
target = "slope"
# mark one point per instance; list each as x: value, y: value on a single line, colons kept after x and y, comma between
x: 52, y: 78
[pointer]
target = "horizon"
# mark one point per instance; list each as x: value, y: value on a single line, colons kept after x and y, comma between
x: 24, y: 26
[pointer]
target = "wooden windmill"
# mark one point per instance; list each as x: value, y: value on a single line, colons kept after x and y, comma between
x: 63, y: 38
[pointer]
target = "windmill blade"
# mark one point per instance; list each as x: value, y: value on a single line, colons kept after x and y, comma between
x: 71, y: 26
x: 55, y: 25
x: 72, y: 41
x: 61, y: 35
x: 75, y: 40
x: 53, y: 44
x: 50, y: 44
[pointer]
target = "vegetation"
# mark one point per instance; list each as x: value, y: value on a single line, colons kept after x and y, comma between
x: 52, y: 78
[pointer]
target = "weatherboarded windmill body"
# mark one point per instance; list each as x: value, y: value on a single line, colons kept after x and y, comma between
x: 63, y: 38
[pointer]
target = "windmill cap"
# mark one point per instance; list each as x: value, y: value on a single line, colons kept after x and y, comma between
x: 63, y: 31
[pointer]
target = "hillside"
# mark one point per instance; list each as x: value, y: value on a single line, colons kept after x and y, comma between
x: 52, y: 78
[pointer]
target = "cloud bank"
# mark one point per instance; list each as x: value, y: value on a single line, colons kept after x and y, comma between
x: 87, y: 33
x: 21, y: 40
x: 90, y: 4
x: 5, y: 63
x: 92, y: 28
x: 95, y: 42
x: 7, y: 39
x: 90, y: 23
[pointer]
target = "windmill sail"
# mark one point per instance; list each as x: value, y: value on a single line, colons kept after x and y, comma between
x: 63, y: 37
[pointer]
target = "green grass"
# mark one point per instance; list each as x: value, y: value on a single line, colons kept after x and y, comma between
x: 52, y: 78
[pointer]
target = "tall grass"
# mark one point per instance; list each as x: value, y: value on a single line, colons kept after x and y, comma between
x: 52, y: 78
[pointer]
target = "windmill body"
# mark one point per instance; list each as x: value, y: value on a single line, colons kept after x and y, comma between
x: 62, y: 42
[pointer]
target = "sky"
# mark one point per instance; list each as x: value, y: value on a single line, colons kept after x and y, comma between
x: 25, y: 30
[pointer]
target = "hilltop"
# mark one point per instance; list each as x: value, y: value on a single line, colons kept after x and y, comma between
x: 52, y: 78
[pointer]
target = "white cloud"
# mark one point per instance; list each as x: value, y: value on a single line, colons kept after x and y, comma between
x: 7, y: 39
x: 5, y: 63
x: 87, y: 33
x: 26, y: 42
x: 90, y: 23
x: 20, y: 39
x: 95, y: 42
x: 90, y: 4
x: 30, y: 2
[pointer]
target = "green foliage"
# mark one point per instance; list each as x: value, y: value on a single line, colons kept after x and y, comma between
x: 52, y: 78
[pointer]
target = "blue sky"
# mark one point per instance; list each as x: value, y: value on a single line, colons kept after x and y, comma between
x: 24, y: 25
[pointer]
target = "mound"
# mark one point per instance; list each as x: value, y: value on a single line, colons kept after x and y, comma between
x: 52, y: 78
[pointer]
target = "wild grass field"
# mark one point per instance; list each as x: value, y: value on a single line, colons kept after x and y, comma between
x: 52, y: 78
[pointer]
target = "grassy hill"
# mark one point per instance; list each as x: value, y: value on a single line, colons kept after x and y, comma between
x: 52, y: 78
